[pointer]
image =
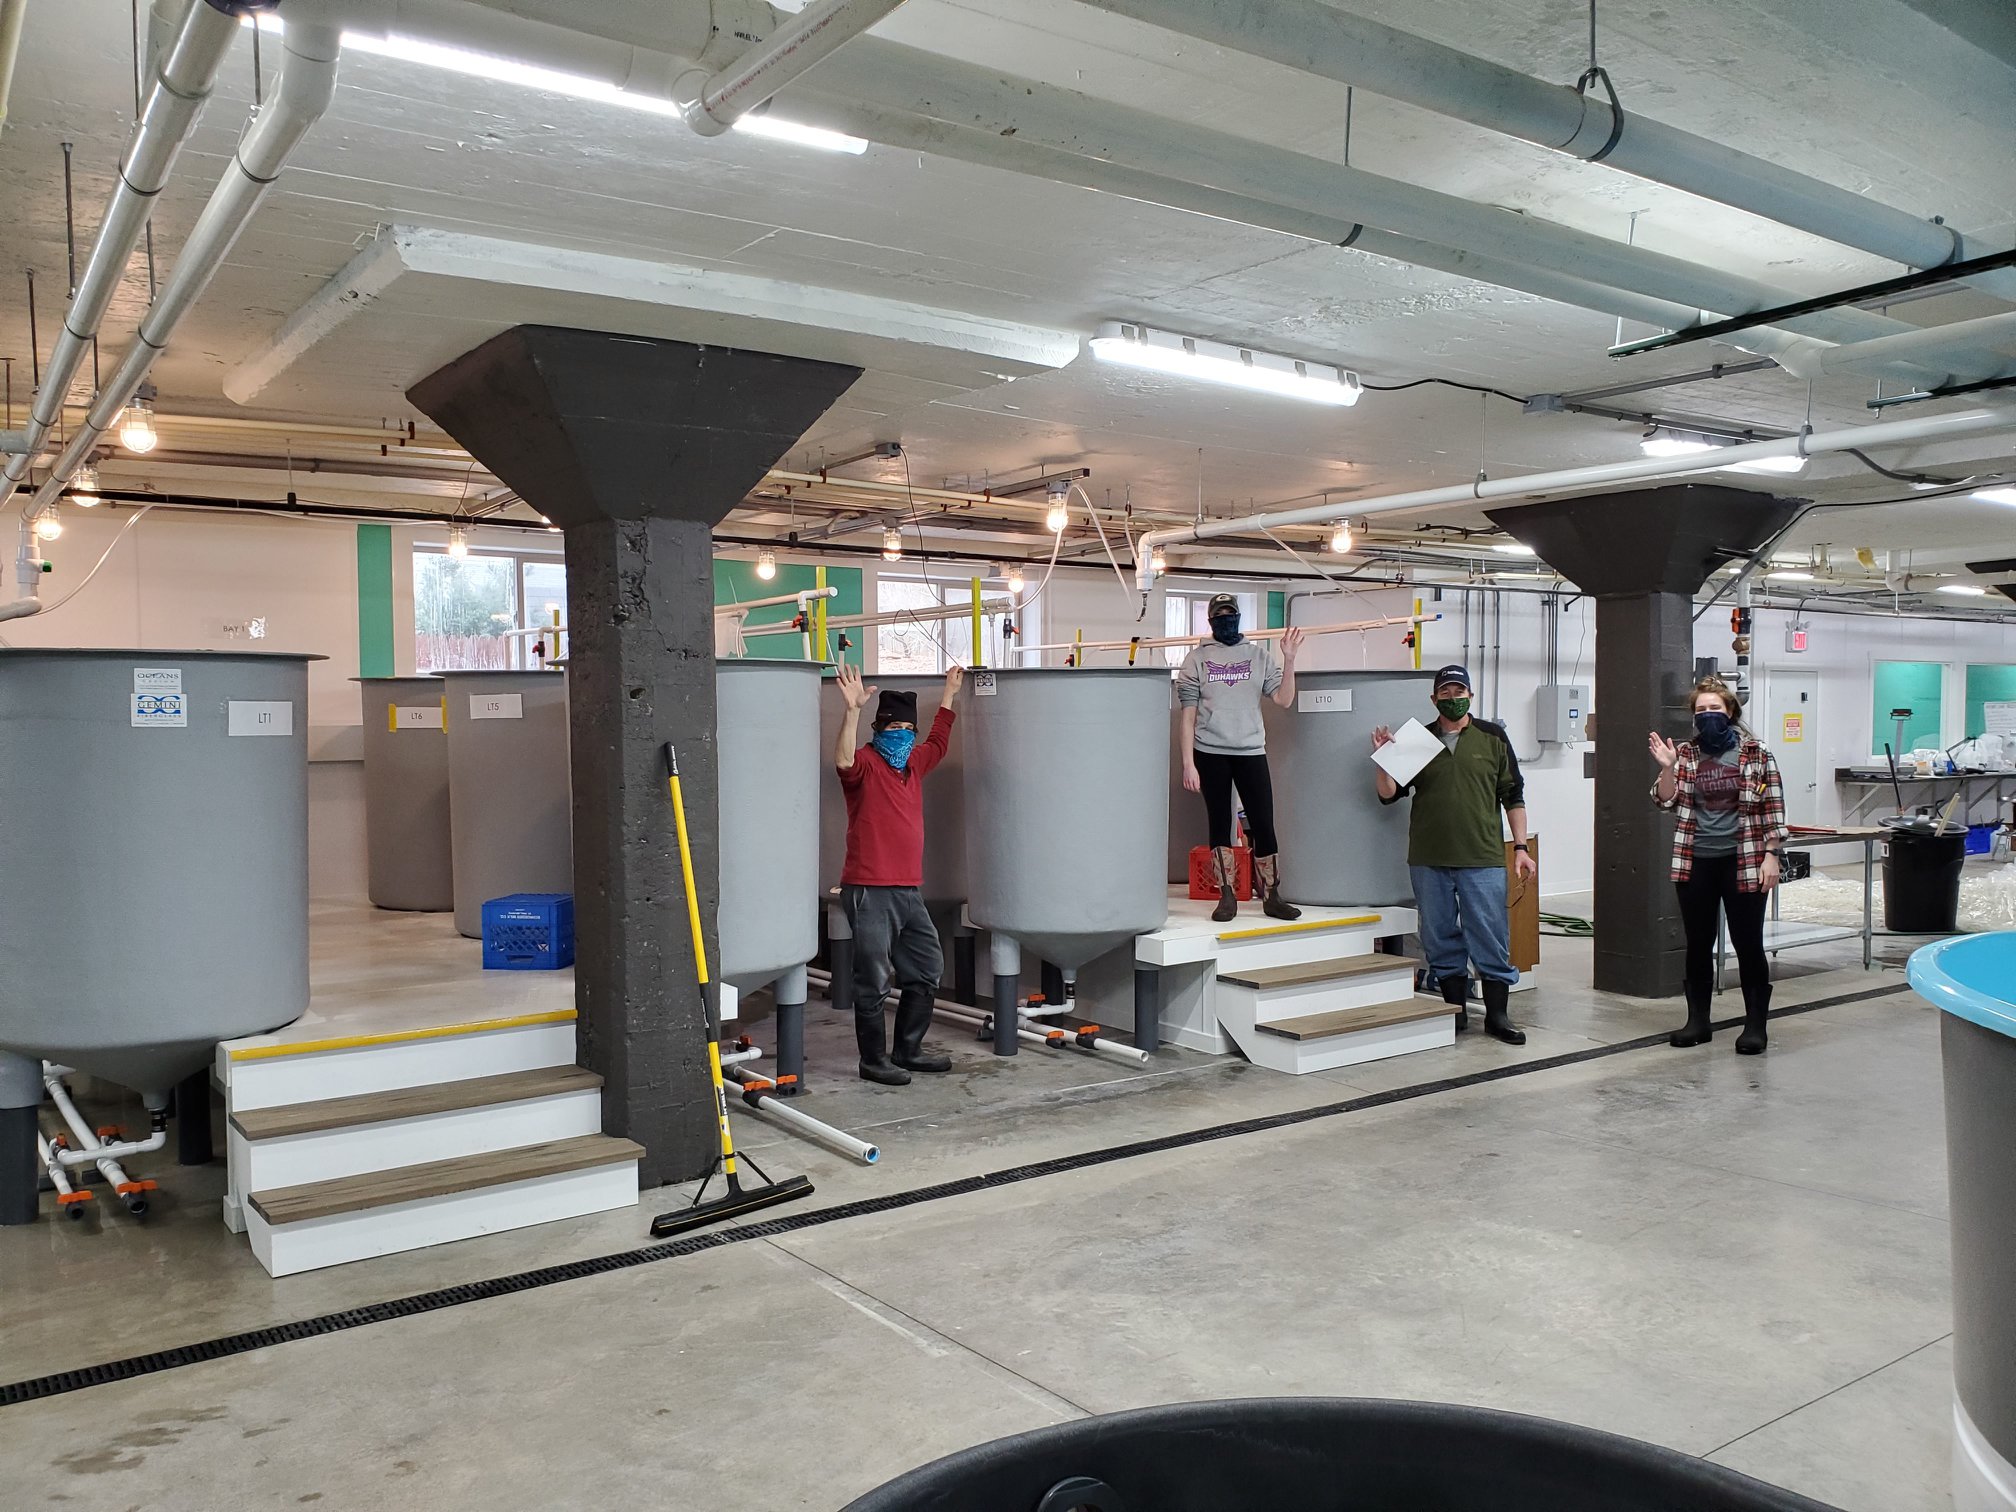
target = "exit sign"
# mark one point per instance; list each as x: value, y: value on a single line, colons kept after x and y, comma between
x: 1795, y: 637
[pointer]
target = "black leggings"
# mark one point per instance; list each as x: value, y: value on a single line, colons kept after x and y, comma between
x: 1217, y: 774
x: 1712, y: 885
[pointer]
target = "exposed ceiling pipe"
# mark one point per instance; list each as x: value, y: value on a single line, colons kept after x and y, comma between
x: 1923, y: 348
x: 13, y: 15
x: 306, y: 82
x: 1320, y: 39
x: 180, y: 89
x: 1581, y: 479
x: 711, y: 103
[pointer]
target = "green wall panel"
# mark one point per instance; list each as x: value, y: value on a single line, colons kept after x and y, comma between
x: 1277, y: 610
x: 374, y: 601
x: 1987, y: 682
x: 736, y: 582
x: 1917, y: 686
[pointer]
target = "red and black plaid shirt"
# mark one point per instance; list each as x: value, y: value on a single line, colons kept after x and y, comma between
x: 1760, y: 811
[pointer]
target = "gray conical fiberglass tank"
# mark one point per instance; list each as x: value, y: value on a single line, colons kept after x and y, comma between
x: 1340, y: 845
x: 1067, y: 807
x: 944, y: 793
x: 153, y: 857
x: 406, y: 827
x: 766, y: 724
x: 510, y: 811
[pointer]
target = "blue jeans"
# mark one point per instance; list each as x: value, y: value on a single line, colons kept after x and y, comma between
x: 1464, y: 921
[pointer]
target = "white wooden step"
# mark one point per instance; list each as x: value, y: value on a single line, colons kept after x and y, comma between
x: 1320, y: 1015
x: 349, y: 1136
x: 261, y: 1075
x: 318, y: 1224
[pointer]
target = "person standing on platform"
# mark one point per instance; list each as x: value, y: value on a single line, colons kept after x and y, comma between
x: 1727, y: 853
x: 881, y: 884
x: 1455, y: 851
x: 1224, y: 742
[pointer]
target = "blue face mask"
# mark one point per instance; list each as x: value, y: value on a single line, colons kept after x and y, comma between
x: 894, y: 746
x: 1225, y: 629
x: 1713, y: 731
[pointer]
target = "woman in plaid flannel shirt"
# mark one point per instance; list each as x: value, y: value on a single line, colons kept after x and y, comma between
x: 1725, y: 787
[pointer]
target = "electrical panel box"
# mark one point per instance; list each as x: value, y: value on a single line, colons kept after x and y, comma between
x: 1561, y: 711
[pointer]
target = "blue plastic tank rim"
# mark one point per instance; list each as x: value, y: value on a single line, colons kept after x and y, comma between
x: 1954, y: 974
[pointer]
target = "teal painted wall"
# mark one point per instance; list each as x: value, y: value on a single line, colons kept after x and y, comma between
x: 1987, y: 682
x: 1277, y: 610
x: 736, y: 581
x: 1917, y: 686
x: 374, y: 601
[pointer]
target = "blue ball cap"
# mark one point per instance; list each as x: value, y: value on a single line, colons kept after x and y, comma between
x: 1452, y: 674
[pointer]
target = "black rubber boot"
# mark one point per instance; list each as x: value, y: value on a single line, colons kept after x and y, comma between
x: 1698, y: 1029
x: 1456, y: 993
x: 871, y: 1037
x: 913, y: 1018
x: 1497, y: 1015
x: 1754, y: 1039
x: 1225, y: 864
x: 1267, y: 882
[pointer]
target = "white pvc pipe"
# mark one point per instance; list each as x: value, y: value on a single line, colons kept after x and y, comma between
x: 58, y: 1177
x: 1054, y: 1038
x: 824, y: 1133
x: 800, y: 599
x: 710, y: 105
x: 13, y: 13
x: 1581, y: 479
x: 93, y: 1150
x: 307, y: 80
x: 1922, y: 348
x: 1322, y: 39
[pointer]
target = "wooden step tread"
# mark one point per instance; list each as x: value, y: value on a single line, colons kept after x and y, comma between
x: 440, y: 1178
x: 1351, y: 1020
x: 411, y: 1102
x: 1341, y: 969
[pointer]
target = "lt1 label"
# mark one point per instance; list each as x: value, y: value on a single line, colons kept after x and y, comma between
x: 496, y: 705
x: 1323, y: 701
x: 259, y: 717
x: 418, y: 717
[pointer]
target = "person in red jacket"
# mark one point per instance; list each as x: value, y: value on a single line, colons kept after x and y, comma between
x: 882, y: 880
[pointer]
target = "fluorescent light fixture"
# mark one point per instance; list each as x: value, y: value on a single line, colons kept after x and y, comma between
x: 1793, y: 464
x: 766, y: 565
x: 1139, y: 346
x: 764, y: 124
x: 1996, y: 495
x: 1966, y: 590
x: 1662, y: 442
x: 1515, y: 548
x: 575, y: 86
x: 1792, y: 575
x: 1667, y: 444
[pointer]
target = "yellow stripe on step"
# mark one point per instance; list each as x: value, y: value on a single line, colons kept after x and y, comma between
x: 401, y: 1036
x: 1301, y: 927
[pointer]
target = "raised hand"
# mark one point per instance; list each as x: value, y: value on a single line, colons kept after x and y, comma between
x: 1664, y: 751
x: 1291, y: 645
x: 851, y: 688
x: 954, y: 676
x: 1381, y: 736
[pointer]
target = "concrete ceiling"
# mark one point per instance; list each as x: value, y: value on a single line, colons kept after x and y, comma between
x: 1901, y: 101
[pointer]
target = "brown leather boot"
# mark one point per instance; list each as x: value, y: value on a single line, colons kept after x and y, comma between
x: 1226, y: 864
x: 1267, y: 882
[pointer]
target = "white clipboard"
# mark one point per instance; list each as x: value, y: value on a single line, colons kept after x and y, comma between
x: 1413, y: 746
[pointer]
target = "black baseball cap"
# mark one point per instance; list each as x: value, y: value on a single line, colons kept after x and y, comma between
x: 1452, y: 674
x: 1222, y: 603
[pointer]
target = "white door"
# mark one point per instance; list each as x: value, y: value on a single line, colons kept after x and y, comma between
x: 1790, y: 728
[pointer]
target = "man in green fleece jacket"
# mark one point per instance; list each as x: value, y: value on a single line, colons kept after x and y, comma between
x: 1455, y: 850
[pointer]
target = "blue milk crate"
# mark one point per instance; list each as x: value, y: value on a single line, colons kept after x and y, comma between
x: 528, y: 932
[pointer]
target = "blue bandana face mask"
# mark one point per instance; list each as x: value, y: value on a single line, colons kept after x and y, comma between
x: 894, y: 746
x: 1225, y: 629
x: 1713, y: 731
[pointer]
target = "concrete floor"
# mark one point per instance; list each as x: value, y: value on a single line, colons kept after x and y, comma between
x: 1744, y: 1259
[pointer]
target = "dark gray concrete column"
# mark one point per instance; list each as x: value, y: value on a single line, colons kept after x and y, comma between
x: 20, y: 1163
x: 1641, y: 555
x: 636, y: 448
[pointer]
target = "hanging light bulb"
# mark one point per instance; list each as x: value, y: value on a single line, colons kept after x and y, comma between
x: 136, y: 430
x: 1059, y: 513
x: 1340, y: 537
x: 1015, y: 580
x: 458, y: 541
x: 84, y: 487
x: 766, y: 565
x: 892, y: 544
x: 1158, y: 560
x: 49, y: 523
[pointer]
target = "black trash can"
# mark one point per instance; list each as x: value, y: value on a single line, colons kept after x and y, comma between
x: 1921, y: 882
x: 1324, y: 1455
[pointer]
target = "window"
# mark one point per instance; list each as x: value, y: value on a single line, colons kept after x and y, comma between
x: 1912, y: 692
x: 1989, y: 685
x: 923, y: 645
x: 467, y: 609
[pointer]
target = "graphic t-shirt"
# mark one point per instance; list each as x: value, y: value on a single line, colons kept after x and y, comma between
x: 1225, y: 684
x: 1718, y: 789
